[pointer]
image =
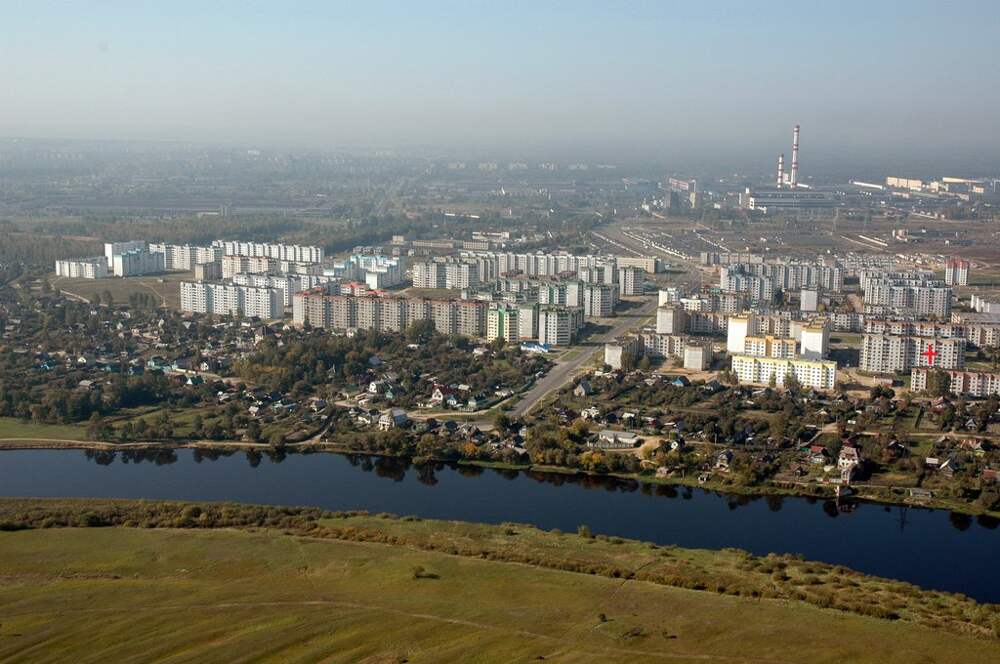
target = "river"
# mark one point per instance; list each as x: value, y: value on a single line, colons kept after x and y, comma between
x: 931, y: 548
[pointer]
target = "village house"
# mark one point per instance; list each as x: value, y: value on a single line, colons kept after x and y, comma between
x: 393, y: 418
x: 609, y: 439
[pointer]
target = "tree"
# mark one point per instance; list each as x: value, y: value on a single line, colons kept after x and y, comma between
x: 96, y: 427
x: 644, y: 363
x: 938, y: 383
x: 253, y: 431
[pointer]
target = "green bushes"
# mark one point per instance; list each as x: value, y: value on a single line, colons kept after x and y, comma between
x: 732, y: 572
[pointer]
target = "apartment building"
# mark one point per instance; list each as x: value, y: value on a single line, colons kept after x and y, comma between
x: 136, y: 262
x: 231, y: 299
x: 338, y: 311
x: 461, y: 275
x: 889, y: 353
x: 429, y: 274
x: 286, y: 252
x: 287, y: 284
x: 814, y: 340
x: 558, y: 326
x: 185, y: 256
x: 599, y: 300
x: 770, y: 347
x: 737, y: 280
x: 503, y: 322
x: 111, y: 249
x: 956, y: 272
x: 979, y: 384
x: 817, y: 374
x: 631, y: 280
x: 83, y: 268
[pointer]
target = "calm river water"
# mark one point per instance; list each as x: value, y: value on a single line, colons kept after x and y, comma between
x: 934, y: 549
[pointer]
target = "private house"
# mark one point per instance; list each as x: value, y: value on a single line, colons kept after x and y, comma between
x: 393, y: 418
x: 848, y: 462
x: 440, y: 393
x: 609, y: 439
x: 584, y: 389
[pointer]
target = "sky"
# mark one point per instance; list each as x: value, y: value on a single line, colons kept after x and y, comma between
x: 597, y: 79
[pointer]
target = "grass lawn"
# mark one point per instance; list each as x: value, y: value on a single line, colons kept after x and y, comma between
x: 122, y: 594
x: 166, y: 287
x: 14, y: 428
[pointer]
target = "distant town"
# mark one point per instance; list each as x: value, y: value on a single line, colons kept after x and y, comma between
x: 656, y: 348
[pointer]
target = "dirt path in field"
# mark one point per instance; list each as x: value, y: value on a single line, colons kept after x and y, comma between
x: 570, y: 644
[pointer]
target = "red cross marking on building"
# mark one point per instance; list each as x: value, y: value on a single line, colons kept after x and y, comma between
x: 930, y: 354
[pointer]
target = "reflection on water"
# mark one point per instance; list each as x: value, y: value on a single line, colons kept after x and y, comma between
x: 396, y: 469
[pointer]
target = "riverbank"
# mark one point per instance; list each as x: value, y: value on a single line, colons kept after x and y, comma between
x: 437, y: 589
x: 891, y: 496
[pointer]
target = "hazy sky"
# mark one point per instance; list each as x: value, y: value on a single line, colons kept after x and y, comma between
x: 871, y: 77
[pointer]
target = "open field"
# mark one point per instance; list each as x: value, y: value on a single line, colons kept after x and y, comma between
x: 13, y: 428
x: 166, y: 287
x: 170, y: 594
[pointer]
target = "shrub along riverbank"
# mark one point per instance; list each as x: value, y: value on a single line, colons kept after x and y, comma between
x: 728, y: 572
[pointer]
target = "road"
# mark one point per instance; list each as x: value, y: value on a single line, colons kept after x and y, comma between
x: 564, y: 371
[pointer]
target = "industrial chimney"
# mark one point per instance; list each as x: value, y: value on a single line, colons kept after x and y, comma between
x: 793, y: 182
x: 781, y: 170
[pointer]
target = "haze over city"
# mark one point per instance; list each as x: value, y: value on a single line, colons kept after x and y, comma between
x: 711, y: 82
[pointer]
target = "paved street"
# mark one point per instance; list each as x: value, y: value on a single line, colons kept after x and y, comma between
x: 564, y: 371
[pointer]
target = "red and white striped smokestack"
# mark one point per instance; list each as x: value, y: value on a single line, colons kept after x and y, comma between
x: 781, y: 170
x: 795, y: 158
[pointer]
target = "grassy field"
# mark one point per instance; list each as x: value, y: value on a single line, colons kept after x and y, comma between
x: 166, y: 287
x: 14, y: 428
x: 178, y: 595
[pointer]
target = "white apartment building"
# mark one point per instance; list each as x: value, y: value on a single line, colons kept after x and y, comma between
x: 889, y: 353
x: 502, y: 322
x: 956, y: 272
x: 136, y: 262
x: 460, y: 275
x: 231, y: 299
x: 670, y: 295
x: 737, y: 280
x: 599, y: 300
x: 185, y: 256
x: 671, y: 320
x: 557, y: 326
x: 527, y: 321
x: 429, y: 274
x: 83, y: 268
x: 111, y: 249
x: 977, y: 384
x: 817, y: 374
x: 285, y: 252
x: 814, y: 341
x: 631, y: 280
x: 287, y: 284
x: 781, y: 348
x: 739, y: 328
